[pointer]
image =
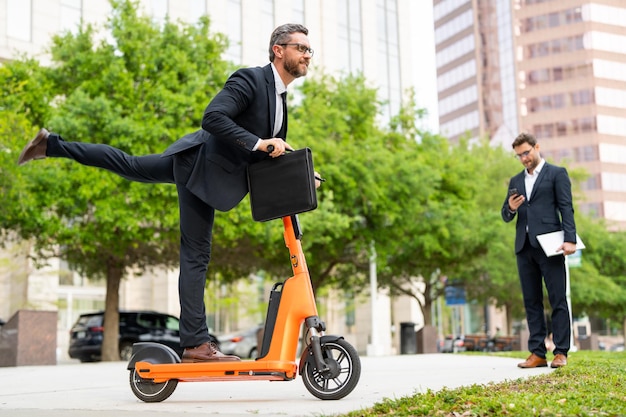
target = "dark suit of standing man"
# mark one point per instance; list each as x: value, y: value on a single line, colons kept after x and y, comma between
x: 208, y: 166
x: 543, y: 204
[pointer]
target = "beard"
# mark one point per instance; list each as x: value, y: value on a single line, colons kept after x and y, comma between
x: 293, y: 68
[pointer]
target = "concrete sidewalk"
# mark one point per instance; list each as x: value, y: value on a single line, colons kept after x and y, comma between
x: 102, y: 389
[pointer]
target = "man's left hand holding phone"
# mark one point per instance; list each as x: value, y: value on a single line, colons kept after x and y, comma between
x: 515, y: 200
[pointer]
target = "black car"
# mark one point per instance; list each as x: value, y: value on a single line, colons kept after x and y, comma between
x: 135, y: 326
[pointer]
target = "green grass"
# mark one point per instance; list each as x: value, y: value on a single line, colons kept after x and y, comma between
x: 592, y: 384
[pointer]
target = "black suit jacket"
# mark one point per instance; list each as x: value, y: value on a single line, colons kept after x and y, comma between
x: 241, y: 113
x: 549, y: 208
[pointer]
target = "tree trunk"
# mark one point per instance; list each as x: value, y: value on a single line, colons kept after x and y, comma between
x: 428, y: 312
x: 509, y: 319
x: 110, y: 344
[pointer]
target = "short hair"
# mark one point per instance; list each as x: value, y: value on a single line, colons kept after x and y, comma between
x: 524, y: 138
x: 282, y: 34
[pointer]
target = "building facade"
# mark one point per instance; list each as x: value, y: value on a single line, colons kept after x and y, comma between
x: 552, y: 68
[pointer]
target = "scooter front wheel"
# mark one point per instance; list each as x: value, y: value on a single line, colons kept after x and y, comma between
x: 149, y: 391
x: 342, y: 375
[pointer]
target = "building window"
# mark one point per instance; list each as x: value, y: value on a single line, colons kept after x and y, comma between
x: 603, y: 41
x: 544, y: 131
x: 604, y: 14
x: 459, y: 125
x: 267, y: 16
x: 611, y: 125
x: 19, y: 24
x: 552, y: 20
x: 615, y: 210
x: 297, y: 7
x: 388, y: 57
x: 587, y: 153
x: 555, y: 47
x: 572, y: 71
x: 458, y: 100
x: 610, y: 97
x: 456, y: 75
x: 454, y: 26
x: 592, y: 209
x: 197, y: 8
x: 444, y: 8
x: 615, y: 154
x: 592, y: 183
x: 609, y: 69
x: 558, y: 101
x: 456, y: 50
x: 567, y: 127
x: 71, y: 14
x: 534, y: 1
x: 234, y: 53
x: 614, y: 181
x: 350, y: 42
x: 159, y: 10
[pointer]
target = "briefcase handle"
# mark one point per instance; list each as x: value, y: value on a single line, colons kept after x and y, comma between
x: 270, y: 149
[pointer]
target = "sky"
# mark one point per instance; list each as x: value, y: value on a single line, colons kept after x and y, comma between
x: 424, y: 61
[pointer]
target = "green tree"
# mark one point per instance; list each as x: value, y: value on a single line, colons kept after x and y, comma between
x: 438, y: 221
x: 138, y: 89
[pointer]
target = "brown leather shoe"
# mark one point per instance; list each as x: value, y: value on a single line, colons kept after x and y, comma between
x: 533, y: 361
x: 559, y: 361
x: 206, y: 352
x: 36, y: 148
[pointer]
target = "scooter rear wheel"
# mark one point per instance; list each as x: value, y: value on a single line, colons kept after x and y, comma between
x: 151, y: 392
x: 341, y: 377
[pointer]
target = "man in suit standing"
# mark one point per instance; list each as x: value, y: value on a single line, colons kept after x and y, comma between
x: 541, y: 197
x: 240, y: 126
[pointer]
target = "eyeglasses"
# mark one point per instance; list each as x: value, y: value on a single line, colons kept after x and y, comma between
x: 303, y: 49
x: 524, y: 154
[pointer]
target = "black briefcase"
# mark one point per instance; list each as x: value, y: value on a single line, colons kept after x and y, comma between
x: 282, y: 186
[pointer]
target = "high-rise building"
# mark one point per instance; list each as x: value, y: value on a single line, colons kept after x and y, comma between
x: 556, y: 69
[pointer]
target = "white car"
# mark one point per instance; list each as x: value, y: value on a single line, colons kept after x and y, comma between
x: 242, y: 344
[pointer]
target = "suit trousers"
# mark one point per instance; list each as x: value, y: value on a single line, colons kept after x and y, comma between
x: 196, y: 218
x: 533, y: 265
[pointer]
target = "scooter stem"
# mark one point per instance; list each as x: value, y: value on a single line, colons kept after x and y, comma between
x: 292, y: 236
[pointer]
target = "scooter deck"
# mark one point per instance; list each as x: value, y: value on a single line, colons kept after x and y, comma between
x: 218, y: 371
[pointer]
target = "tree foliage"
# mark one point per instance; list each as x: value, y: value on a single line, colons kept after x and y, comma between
x: 599, y: 285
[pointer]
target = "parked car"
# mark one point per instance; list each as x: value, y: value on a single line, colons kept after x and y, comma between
x: 452, y: 345
x: 242, y: 344
x: 135, y: 326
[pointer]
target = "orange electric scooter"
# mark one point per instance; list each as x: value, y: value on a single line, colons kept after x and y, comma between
x: 329, y: 366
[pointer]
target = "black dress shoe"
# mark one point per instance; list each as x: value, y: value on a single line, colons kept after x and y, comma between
x: 36, y: 148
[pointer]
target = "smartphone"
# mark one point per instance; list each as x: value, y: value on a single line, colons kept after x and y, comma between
x: 513, y: 191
